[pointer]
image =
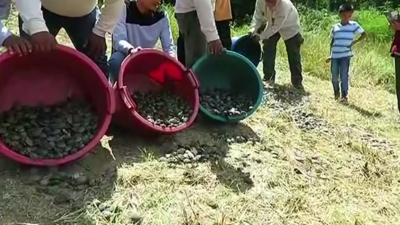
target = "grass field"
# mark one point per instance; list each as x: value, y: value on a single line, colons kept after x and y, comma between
x: 301, y: 159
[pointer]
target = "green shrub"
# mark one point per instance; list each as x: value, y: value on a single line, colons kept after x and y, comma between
x: 375, y: 23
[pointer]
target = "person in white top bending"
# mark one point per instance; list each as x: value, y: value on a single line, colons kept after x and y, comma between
x: 197, y: 26
x: 43, y: 19
x: 272, y: 20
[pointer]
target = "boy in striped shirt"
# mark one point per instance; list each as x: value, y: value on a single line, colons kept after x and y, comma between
x: 343, y: 39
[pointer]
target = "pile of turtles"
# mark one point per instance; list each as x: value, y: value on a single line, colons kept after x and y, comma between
x: 193, y: 154
x: 164, y: 109
x: 48, y: 132
x: 225, y: 103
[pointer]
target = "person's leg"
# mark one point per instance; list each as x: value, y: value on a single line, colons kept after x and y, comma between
x: 194, y: 40
x: 335, y: 66
x: 397, y: 69
x: 79, y: 30
x: 224, y: 32
x: 115, y: 62
x: 344, y: 76
x: 293, y: 46
x: 269, y: 49
x: 181, y: 49
x: 53, y: 23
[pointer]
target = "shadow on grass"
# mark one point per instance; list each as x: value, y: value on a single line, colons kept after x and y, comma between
x: 58, y: 195
x: 364, y: 112
x: 231, y: 177
x: 66, y: 194
x: 211, y: 140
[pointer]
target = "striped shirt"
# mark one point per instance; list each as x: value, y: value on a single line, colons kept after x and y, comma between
x: 343, y: 37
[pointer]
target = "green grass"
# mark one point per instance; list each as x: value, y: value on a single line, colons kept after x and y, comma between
x: 372, y: 64
x: 169, y: 9
x: 375, y: 23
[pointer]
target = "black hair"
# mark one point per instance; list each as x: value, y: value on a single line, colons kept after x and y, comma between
x: 346, y: 7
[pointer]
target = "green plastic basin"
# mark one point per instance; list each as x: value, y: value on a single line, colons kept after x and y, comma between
x: 232, y: 72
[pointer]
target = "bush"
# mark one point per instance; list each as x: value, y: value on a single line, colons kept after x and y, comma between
x: 375, y: 23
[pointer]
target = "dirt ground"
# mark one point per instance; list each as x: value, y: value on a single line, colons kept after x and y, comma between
x: 301, y: 159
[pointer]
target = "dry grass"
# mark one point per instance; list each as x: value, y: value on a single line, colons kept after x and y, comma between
x: 297, y: 176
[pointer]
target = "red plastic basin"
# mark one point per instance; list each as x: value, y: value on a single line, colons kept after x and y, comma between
x: 153, y: 70
x: 51, y: 78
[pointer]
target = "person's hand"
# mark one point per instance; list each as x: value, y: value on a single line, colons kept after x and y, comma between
x: 96, y: 46
x: 215, y: 47
x: 134, y: 50
x: 255, y: 37
x: 43, y: 41
x: 328, y: 59
x: 17, y: 45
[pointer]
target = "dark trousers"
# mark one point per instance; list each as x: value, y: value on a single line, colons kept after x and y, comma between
x: 181, y: 49
x: 195, y: 43
x: 224, y: 32
x: 397, y: 69
x: 78, y: 29
x: 293, y: 50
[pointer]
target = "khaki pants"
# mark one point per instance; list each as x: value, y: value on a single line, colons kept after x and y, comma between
x: 194, y: 40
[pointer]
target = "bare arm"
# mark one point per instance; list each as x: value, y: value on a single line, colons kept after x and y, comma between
x: 362, y: 37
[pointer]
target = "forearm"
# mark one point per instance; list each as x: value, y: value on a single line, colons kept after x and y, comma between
x: 272, y: 29
x: 123, y: 46
x: 167, y: 41
x: 32, y: 16
x: 4, y: 33
x: 109, y: 17
x: 258, y: 22
x: 359, y: 39
x: 205, y: 14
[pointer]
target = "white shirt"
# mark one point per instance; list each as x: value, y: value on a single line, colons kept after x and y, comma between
x: 31, y: 13
x: 205, y: 13
x: 4, y: 11
x: 283, y: 18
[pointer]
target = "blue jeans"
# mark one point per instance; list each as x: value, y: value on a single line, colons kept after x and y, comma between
x: 78, y: 29
x: 340, y: 76
x: 115, y: 62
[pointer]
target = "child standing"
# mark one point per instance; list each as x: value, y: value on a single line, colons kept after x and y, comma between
x: 13, y: 43
x: 343, y: 39
x: 197, y: 25
x: 141, y: 25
